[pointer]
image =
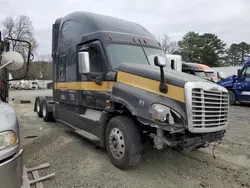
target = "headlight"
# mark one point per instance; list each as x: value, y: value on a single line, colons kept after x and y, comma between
x: 7, y: 139
x: 161, y: 113
x: 165, y: 114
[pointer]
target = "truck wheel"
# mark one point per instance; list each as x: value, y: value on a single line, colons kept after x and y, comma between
x: 47, y: 116
x: 38, y: 107
x: 232, y: 97
x: 123, y: 142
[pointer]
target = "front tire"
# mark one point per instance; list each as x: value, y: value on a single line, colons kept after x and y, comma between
x: 123, y: 142
x: 232, y: 97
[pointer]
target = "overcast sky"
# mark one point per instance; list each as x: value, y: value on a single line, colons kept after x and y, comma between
x: 229, y: 19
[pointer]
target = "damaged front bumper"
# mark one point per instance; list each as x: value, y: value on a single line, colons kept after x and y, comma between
x: 186, y: 141
x: 202, y: 140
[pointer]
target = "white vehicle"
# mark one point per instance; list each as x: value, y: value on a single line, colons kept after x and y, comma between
x: 175, y: 61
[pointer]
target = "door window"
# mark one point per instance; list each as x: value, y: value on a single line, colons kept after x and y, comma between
x: 94, y: 59
x: 246, y: 72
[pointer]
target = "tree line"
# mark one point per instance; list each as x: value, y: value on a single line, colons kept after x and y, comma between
x: 207, y: 49
x: 204, y: 48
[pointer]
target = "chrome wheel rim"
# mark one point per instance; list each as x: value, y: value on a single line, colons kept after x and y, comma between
x: 44, y: 110
x: 116, y: 143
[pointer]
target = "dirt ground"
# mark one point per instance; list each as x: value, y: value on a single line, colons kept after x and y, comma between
x: 78, y: 163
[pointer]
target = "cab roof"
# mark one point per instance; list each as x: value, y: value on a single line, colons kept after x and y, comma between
x: 203, y: 67
x: 81, y: 26
x: 197, y: 66
x: 89, y: 22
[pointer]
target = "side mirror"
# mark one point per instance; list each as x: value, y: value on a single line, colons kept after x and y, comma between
x: 239, y: 72
x: 220, y: 75
x: 172, y: 64
x: 83, y: 61
x: 160, y: 61
x: 12, y: 61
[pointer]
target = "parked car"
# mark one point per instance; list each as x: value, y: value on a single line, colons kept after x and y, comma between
x: 11, y: 161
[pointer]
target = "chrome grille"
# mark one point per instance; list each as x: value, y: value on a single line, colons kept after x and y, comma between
x: 209, y: 108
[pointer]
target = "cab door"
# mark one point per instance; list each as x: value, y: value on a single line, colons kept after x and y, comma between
x: 244, y: 85
x: 94, y: 88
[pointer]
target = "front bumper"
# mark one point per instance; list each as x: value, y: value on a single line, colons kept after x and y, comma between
x: 11, y: 171
x: 201, y: 140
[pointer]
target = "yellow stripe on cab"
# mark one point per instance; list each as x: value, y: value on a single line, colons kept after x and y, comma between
x: 174, y: 92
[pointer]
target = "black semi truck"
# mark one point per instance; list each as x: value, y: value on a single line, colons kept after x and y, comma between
x: 112, y: 84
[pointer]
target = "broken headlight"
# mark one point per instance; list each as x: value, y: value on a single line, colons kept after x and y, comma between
x: 165, y: 114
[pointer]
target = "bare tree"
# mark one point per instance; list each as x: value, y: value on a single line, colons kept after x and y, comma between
x: 20, y: 28
x: 46, y: 57
x: 168, y: 45
x: 38, y: 68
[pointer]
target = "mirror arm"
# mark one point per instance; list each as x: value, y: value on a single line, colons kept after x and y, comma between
x: 163, y: 87
x: 98, y: 80
x: 28, y: 59
x: 6, y: 64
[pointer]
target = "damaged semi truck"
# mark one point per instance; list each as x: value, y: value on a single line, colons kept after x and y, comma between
x: 112, y: 84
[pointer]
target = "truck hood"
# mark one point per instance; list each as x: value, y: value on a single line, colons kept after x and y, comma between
x: 153, y: 72
x: 227, y: 82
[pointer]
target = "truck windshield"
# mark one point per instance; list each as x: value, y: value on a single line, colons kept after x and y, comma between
x: 200, y: 74
x: 210, y: 74
x: 124, y: 53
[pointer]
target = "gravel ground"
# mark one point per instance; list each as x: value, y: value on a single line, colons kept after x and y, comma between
x: 78, y: 163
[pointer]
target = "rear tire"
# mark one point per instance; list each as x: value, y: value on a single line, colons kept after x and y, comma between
x: 232, y: 97
x: 123, y: 142
x: 47, y: 116
x: 38, y: 107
